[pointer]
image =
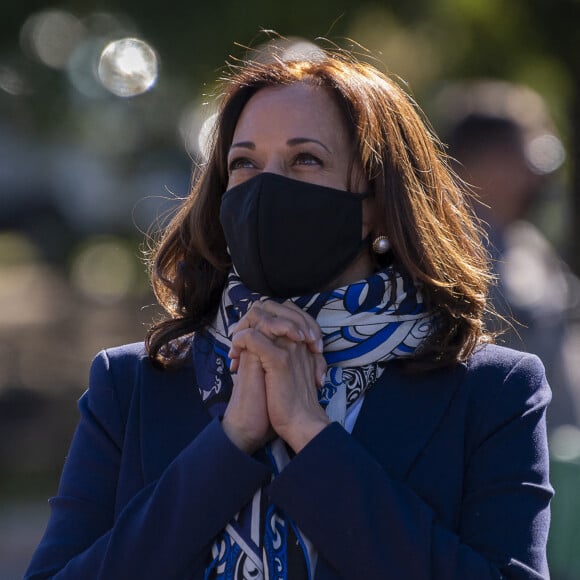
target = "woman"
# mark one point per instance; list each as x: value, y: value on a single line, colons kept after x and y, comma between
x: 321, y: 401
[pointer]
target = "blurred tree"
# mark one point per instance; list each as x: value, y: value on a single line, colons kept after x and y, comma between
x: 528, y: 41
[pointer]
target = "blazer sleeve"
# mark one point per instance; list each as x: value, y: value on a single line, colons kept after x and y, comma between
x: 166, y: 530
x: 367, y: 525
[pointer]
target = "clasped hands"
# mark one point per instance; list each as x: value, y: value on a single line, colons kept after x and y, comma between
x: 277, y: 359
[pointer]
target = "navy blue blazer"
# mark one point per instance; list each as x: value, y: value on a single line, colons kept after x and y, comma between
x: 444, y: 476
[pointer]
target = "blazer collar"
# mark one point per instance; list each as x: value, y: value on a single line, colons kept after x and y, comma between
x: 401, y: 413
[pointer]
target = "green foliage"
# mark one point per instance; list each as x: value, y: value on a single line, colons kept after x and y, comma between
x: 422, y: 41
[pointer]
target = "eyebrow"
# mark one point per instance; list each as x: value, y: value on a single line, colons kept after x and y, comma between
x: 300, y: 140
x: 244, y: 144
x: 292, y: 142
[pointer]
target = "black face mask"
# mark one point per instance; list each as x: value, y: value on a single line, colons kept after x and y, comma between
x: 290, y: 238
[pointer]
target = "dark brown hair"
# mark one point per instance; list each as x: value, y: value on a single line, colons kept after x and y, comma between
x: 420, y: 206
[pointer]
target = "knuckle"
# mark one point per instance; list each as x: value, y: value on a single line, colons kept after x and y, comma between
x: 241, y: 337
x: 288, y: 326
x: 252, y: 333
x: 256, y: 306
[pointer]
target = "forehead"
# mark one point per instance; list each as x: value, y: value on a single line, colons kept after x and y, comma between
x: 286, y: 110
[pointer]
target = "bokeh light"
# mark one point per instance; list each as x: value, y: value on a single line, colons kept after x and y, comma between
x: 105, y: 270
x: 82, y: 68
x: 128, y: 67
x: 286, y: 49
x: 12, y: 82
x: 526, y: 280
x: 565, y: 443
x: 545, y: 154
x: 52, y: 36
x: 195, y: 126
x: 204, y: 138
x: 16, y: 249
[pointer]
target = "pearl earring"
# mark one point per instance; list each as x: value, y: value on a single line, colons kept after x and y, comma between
x: 381, y: 245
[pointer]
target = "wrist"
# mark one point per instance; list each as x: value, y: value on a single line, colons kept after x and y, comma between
x: 239, y: 438
x: 301, y: 433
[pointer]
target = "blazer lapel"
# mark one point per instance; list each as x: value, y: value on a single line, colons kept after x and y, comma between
x: 401, y: 413
x: 172, y: 415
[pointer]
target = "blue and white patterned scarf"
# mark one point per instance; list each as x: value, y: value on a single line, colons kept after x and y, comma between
x: 363, y: 324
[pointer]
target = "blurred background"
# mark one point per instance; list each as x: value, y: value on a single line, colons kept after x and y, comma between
x: 102, y: 111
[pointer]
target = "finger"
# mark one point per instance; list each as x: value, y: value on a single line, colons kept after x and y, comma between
x: 243, y: 338
x: 316, y: 361
x: 309, y: 326
x: 281, y: 353
x: 234, y: 353
x: 320, y: 367
x: 255, y: 342
x: 246, y: 420
x: 270, y: 325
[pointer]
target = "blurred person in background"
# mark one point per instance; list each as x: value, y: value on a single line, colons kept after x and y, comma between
x: 322, y: 399
x: 506, y: 147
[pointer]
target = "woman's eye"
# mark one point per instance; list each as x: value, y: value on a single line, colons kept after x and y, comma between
x: 240, y: 163
x: 307, y: 159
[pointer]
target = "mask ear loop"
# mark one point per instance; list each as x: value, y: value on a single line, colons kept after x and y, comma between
x: 366, y: 241
x: 364, y: 195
